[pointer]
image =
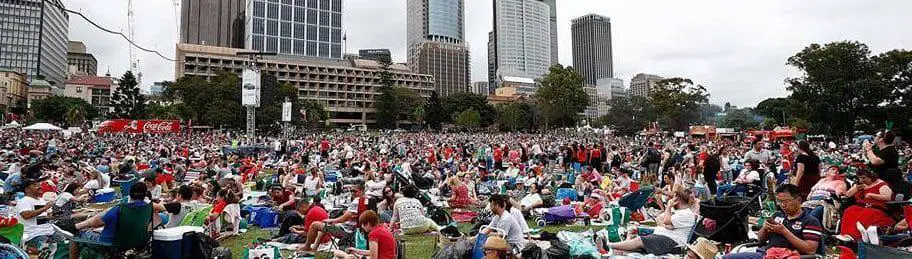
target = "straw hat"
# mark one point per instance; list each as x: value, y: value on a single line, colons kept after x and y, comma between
x: 704, y: 248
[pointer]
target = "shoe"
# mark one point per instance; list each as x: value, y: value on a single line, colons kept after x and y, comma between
x: 62, y: 231
x: 844, y: 238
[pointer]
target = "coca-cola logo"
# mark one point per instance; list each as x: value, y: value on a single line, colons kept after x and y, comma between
x: 158, y: 126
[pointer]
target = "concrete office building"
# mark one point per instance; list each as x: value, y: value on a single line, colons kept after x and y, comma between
x: 213, y: 22
x: 13, y: 92
x: 375, y: 54
x: 642, y: 84
x: 592, y: 56
x: 346, y: 88
x: 79, y: 61
x: 480, y: 88
x: 607, y: 90
x: 521, y: 39
x: 311, y: 28
x: 591, y: 111
x: 435, y: 37
x: 33, y: 39
x: 553, y: 19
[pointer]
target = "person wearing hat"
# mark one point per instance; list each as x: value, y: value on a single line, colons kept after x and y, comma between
x: 496, y: 248
x: 108, y: 220
x: 702, y: 249
x: 31, y: 211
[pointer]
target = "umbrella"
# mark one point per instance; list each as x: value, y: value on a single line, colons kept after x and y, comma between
x: 42, y: 126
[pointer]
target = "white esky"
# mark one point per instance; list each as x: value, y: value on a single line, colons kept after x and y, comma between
x: 737, y: 49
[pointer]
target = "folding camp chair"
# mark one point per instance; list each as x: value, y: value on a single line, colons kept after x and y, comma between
x: 131, y: 237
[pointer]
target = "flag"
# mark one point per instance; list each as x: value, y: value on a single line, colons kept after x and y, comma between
x: 344, y: 36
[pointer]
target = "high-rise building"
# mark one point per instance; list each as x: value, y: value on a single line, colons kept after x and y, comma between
x: 591, y: 110
x: 311, y: 28
x: 608, y: 89
x: 642, y: 84
x: 521, y: 39
x: 480, y: 87
x: 378, y: 55
x: 553, y: 19
x: 213, y: 22
x: 79, y: 61
x: 436, y: 43
x: 33, y: 39
x: 592, y: 56
x: 345, y: 88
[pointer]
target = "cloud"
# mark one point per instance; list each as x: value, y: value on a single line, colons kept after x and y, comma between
x: 737, y: 49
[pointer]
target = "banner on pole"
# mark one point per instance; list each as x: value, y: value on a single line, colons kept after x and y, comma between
x: 286, y: 111
x: 250, y: 88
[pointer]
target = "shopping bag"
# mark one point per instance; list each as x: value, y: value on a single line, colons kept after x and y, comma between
x: 262, y: 252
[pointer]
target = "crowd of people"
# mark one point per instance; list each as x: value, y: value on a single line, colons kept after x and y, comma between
x: 371, y: 187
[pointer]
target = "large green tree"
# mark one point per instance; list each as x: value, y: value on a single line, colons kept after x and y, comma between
x: 677, y: 101
x: 463, y: 101
x: 126, y: 100
x: 894, y: 70
x: 386, y: 102
x: 629, y: 115
x: 469, y: 119
x: 515, y: 116
x: 778, y: 109
x: 59, y: 109
x: 561, y: 96
x: 216, y: 102
x: 433, y: 109
x: 838, y: 89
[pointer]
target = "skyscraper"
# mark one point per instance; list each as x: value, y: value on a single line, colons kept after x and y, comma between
x: 436, y: 46
x: 521, y: 39
x: 33, y: 39
x: 79, y: 61
x: 553, y: 18
x: 310, y: 28
x: 642, y: 84
x: 592, y: 56
x: 213, y: 22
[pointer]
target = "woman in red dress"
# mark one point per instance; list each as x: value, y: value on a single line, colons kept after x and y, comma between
x: 460, y: 199
x: 871, y: 195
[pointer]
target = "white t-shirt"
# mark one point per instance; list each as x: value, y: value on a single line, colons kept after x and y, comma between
x: 32, y: 228
x: 105, y: 181
x: 507, y: 222
x: 518, y: 216
x: 91, y: 185
x: 375, y: 188
x: 682, y: 221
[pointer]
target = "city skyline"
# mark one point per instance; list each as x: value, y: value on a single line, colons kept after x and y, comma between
x: 737, y: 50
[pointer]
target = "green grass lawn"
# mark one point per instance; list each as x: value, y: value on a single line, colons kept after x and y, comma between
x: 416, y: 246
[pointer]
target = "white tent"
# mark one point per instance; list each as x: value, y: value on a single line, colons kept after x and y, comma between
x: 11, y: 125
x: 42, y: 126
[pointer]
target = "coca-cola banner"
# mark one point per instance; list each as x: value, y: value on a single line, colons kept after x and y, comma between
x: 140, y: 126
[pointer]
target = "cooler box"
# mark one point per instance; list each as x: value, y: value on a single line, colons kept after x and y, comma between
x: 168, y: 243
x: 264, y: 217
x: 104, y: 195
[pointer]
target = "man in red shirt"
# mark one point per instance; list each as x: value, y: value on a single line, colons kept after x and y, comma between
x: 381, y: 243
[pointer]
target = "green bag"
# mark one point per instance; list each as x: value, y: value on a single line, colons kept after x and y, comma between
x: 197, y: 218
x: 618, y: 217
x: 360, y: 240
x: 13, y: 233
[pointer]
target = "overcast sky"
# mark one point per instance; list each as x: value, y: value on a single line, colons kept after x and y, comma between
x: 737, y: 49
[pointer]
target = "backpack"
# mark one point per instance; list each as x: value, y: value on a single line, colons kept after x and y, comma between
x: 199, y: 245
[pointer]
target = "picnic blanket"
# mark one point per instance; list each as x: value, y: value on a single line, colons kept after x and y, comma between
x: 464, y: 216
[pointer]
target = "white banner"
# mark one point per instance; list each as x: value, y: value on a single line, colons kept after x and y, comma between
x: 286, y: 111
x: 250, y: 88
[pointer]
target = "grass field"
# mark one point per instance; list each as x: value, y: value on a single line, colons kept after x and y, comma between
x: 416, y: 246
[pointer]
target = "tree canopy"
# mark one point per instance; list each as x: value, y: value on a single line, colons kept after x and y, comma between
x: 126, y: 100
x: 59, y: 109
x: 561, y: 96
x: 677, y: 101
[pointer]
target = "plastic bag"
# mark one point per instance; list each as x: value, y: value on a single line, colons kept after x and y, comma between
x: 583, y: 246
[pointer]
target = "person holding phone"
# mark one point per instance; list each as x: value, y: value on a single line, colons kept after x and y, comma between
x: 793, y: 228
x: 871, y: 196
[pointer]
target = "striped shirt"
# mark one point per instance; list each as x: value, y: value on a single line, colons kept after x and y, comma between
x: 806, y: 227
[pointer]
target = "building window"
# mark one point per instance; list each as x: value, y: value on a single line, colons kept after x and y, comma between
x: 312, y: 16
x: 259, y: 9
x: 273, y: 11
x: 324, y: 18
x: 272, y: 28
x: 258, y: 25
x: 324, y: 34
x: 311, y: 32
x: 286, y: 29
x: 337, y: 20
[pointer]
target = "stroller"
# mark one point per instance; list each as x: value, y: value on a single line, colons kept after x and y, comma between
x: 724, y: 220
x: 558, y: 215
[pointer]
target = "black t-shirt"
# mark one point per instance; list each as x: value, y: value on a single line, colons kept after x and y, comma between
x: 889, y: 170
x: 711, y: 166
x: 811, y: 172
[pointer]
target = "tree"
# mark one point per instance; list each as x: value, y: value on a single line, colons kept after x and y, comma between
x: 629, y: 115
x: 708, y: 113
x: 59, y: 109
x: 776, y: 109
x: 463, y: 101
x: 740, y: 119
x: 894, y: 69
x: 561, y: 96
x: 515, y: 116
x: 838, y: 86
x: 216, y: 102
x: 386, y: 103
x: 434, y: 115
x: 311, y: 113
x: 126, y: 100
x: 677, y: 101
x: 469, y: 119
x: 768, y: 124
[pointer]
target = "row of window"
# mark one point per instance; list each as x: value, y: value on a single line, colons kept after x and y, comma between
x: 299, y: 31
x: 335, y: 5
x: 298, y: 14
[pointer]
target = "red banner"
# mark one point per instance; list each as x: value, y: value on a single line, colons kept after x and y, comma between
x: 140, y: 126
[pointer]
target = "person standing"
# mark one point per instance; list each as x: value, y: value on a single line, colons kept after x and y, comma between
x: 711, y: 167
x: 884, y: 161
x: 807, y: 169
